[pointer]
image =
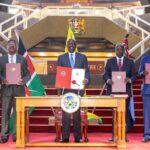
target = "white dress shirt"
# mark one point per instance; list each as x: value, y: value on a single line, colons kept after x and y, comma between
x: 120, y: 59
x: 12, y: 58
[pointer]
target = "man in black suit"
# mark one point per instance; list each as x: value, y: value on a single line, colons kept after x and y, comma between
x: 73, y: 59
x: 121, y: 63
x: 9, y: 92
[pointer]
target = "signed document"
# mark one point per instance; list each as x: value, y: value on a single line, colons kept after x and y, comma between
x: 118, y: 78
x: 69, y: 78
x: 13, y: 73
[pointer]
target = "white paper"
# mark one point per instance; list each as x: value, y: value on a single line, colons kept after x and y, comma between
x: 77, y: 78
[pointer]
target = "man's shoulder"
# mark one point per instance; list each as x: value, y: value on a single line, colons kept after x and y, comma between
x: 111, y: 59
x: 80, y: 55
x: 20, y: 57
x: 63, y: 55
x: 3, y: 57
x: 146, y: 57
x: 129, y: 60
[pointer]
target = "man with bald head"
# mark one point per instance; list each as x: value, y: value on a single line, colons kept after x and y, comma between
x: 73, y: 59
x: 121, y: 63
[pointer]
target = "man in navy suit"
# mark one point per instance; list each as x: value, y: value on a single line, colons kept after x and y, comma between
x: 73, y: 59
x: 121, y: 63
x: 146, y: 98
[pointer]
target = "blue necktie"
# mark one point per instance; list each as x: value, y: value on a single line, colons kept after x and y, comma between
x: 71, y: 61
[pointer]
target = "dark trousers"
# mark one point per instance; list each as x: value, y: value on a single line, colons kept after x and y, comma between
x: 8, y: 102
x: 66, y: 122
x: 146, y: 114
x: 129, y: 120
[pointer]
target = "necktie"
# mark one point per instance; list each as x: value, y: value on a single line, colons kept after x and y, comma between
x: 119, y: 65
x: 71, y: 61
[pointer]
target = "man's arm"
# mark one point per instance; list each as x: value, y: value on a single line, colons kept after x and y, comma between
x: 132, y: 71
x: 141, y: 68
x: 87, y: 71
x: 107, y: 72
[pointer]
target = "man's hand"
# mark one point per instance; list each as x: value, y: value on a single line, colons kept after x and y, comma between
x: 20, y: 82
x: 110, y: 82
x: 145, y: 73
x: 4, y: 81
x: 85, y: 81
x: 127, y: 80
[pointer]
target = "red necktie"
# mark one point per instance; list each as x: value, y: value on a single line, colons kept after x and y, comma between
x: 119, y: 65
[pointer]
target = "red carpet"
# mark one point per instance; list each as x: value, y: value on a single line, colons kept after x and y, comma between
x: 133, y: 144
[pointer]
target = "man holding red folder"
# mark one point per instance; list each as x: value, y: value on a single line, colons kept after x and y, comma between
x: 121, y: 63
x: 144, y: 71
x: 11, y: 87
x: 73, y: 59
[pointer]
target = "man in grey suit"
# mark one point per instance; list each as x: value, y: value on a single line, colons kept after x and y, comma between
x: 9, y: 91
x: 146, y: 97
x: 73, y: 59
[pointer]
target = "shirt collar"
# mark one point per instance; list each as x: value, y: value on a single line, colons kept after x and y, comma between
x: 11, y: 55
x: 120, y: 58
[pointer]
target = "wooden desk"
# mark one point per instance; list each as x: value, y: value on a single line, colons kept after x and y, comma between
x: 116, y: 102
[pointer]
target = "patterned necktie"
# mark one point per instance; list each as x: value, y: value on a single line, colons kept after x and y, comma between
x: 120, y: 65
x: 71, y: 61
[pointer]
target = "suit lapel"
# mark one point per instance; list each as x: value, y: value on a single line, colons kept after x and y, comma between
x: 7, y: 59
x: 124, y: 64
x: 76, y: 58
x: 115, y: 64
x: 68, y: 60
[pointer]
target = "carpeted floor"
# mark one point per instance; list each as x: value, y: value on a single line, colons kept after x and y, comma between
x: 133, y: 144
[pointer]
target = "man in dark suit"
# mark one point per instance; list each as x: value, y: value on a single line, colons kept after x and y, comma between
x: 73, y: 59
x: 146, y: 98
x: 9, y: 92
x: 121, y: 63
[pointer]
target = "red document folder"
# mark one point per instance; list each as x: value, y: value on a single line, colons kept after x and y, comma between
x: 147, y: 77
x: 13, y: 73
x: 63, y: 77
x: 118, y: 78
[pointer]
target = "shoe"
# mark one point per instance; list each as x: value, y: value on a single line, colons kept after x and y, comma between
x: 78, y: 140
x: 111, y: 139
x: 144, y: 140
x: 3, y: 140
x: 65, y: 140
x: 14, y: 138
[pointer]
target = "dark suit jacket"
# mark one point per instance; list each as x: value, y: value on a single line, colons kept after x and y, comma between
x: 80, y: 62
x: 19, y: 89
x: 128, y: 67
x: 145, y: 87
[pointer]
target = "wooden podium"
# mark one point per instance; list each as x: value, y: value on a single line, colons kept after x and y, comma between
x: 117, y: 102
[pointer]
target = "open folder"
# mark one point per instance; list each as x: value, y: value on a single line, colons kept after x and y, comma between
x: 118, y: 78
x: 69, y: 78
x: 13, y: 73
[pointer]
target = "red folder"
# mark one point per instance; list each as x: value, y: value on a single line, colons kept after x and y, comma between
x: 13, y: 73
x: 63, y: 77
x: 118, y: 78
x: 147, y: 77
